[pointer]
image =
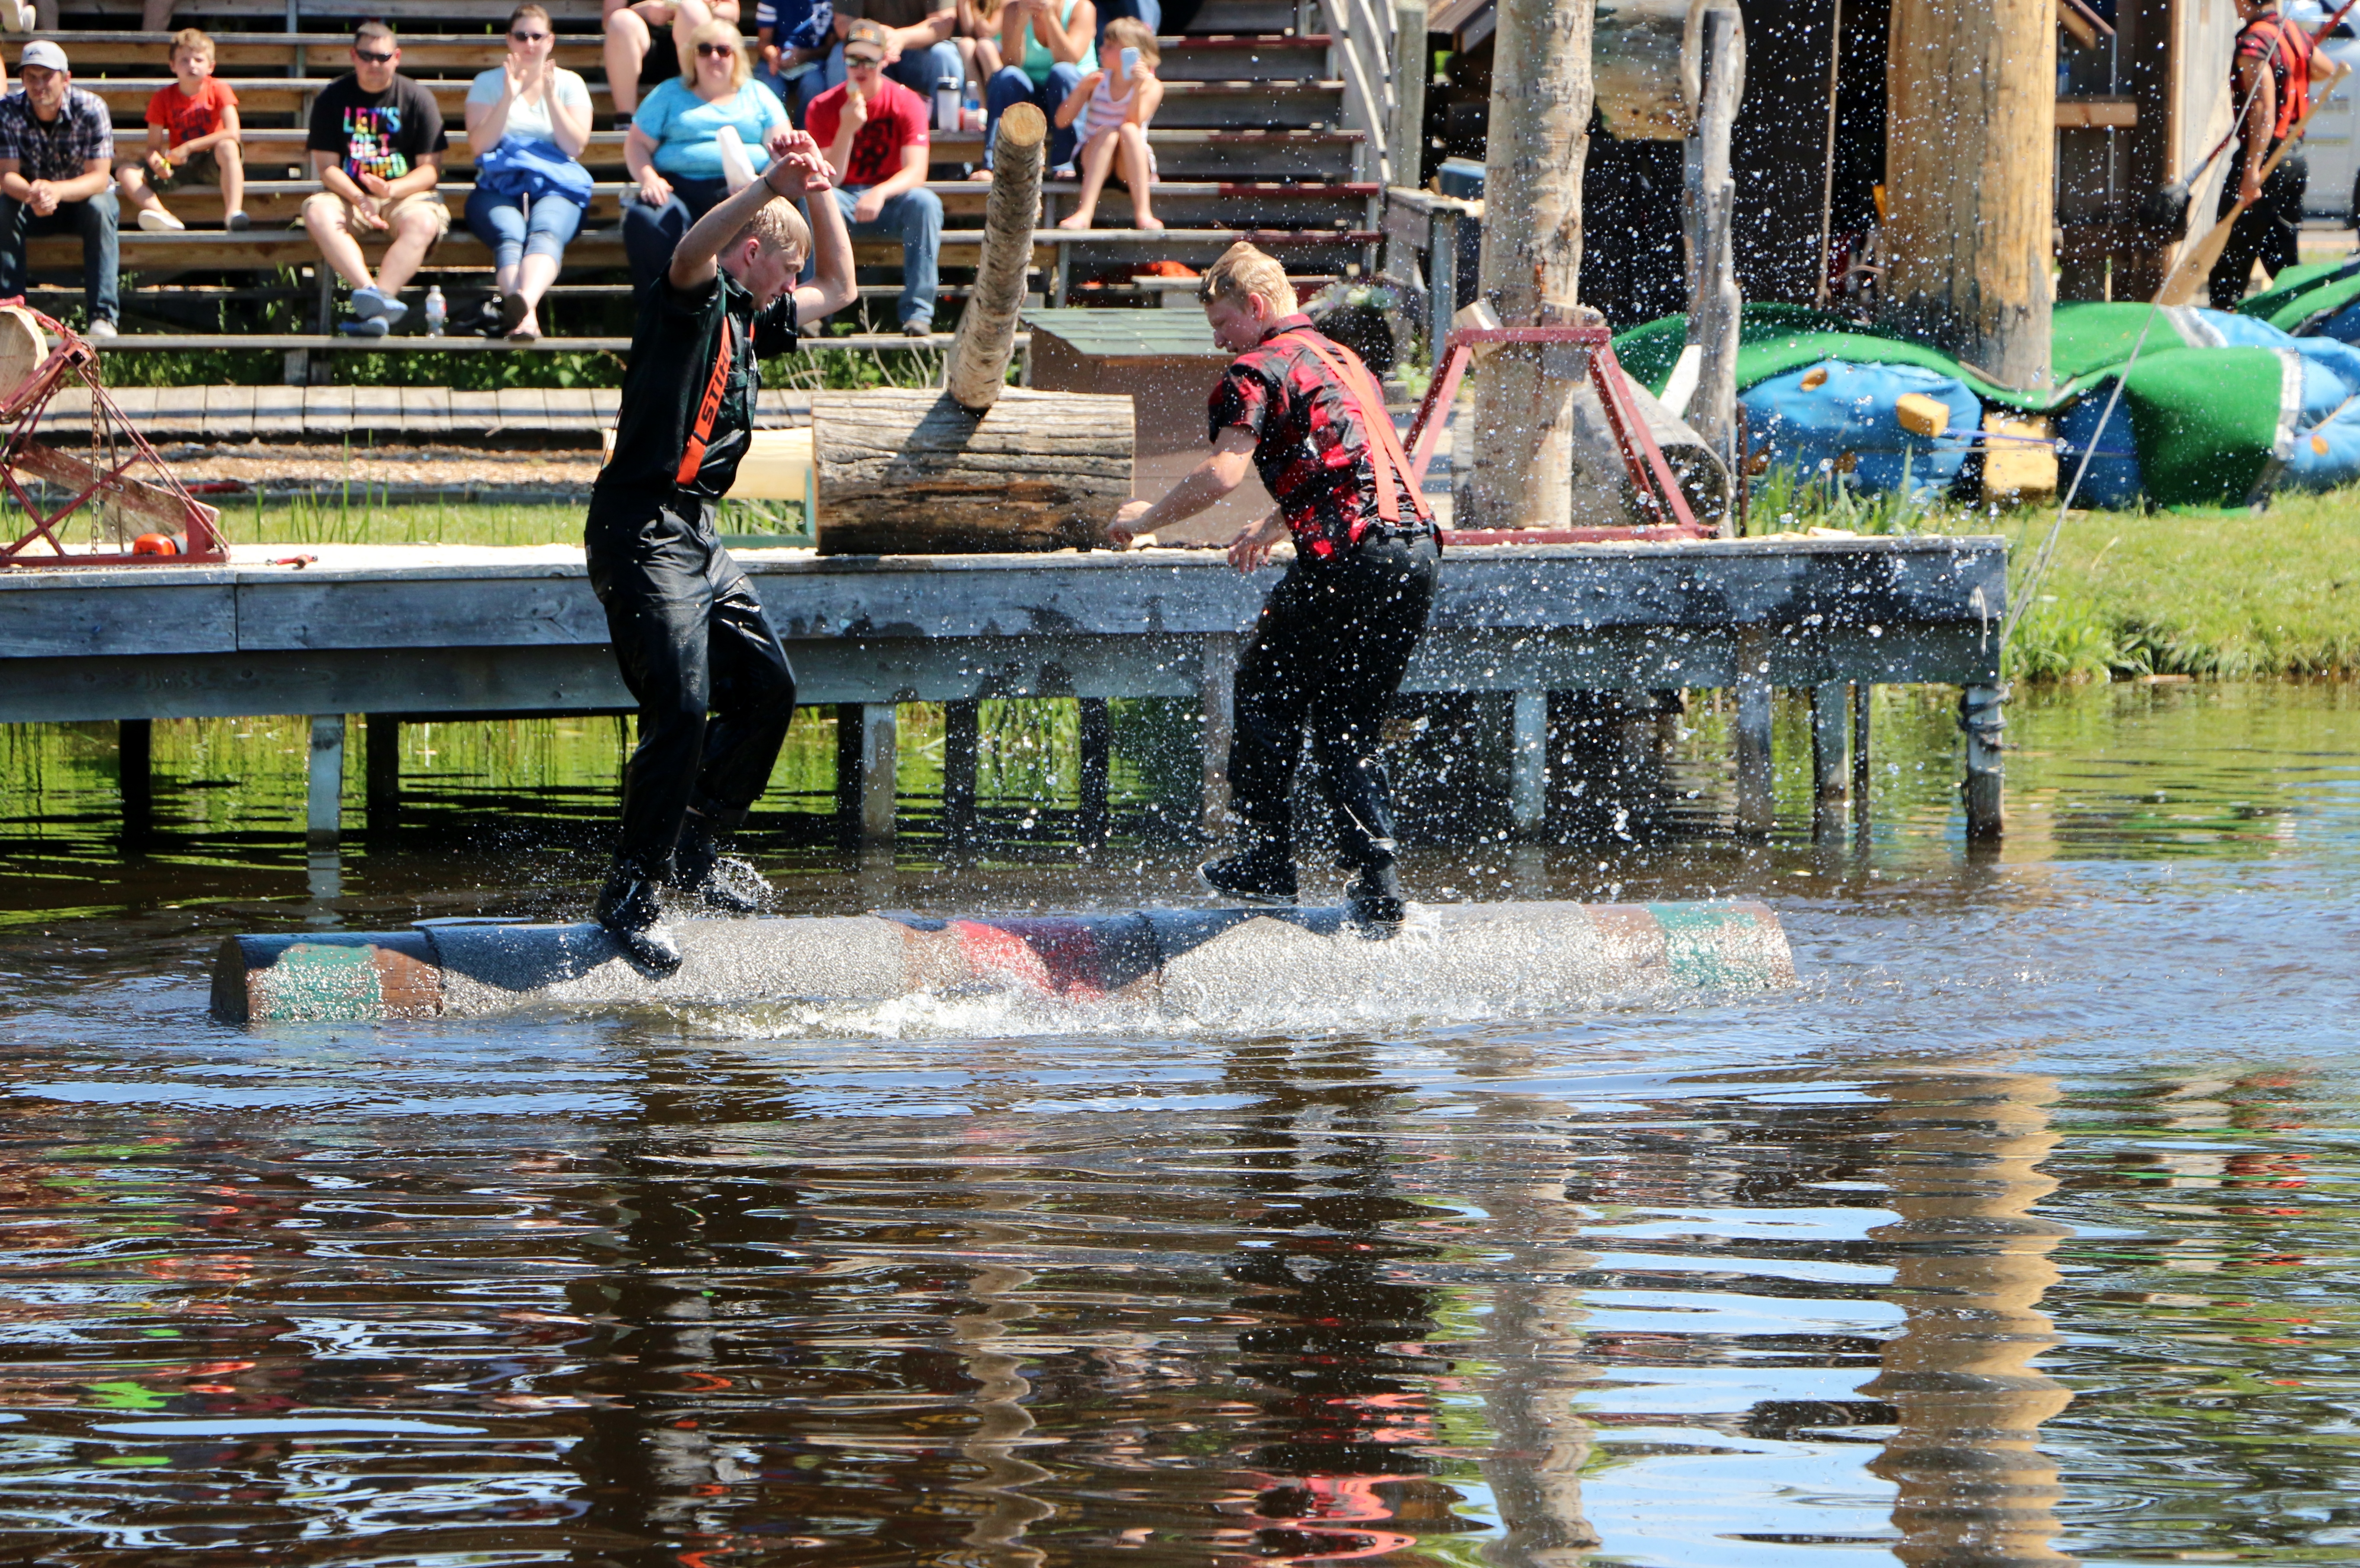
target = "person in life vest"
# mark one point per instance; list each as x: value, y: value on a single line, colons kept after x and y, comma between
x: 1337, y: 634
x: 687, y: 628
x: 2271, y: 83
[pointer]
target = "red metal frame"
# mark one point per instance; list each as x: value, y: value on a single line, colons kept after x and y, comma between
x: 1651, y: 477
x: 111, y: 434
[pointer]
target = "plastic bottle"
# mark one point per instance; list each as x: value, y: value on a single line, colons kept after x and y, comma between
x: 438, y: 310
x: 947, y: 103
x: 736, y: 168
x: 971, y: 108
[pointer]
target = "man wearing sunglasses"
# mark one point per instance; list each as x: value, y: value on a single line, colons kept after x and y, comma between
x: 376, y: 143
x: 873, y: 130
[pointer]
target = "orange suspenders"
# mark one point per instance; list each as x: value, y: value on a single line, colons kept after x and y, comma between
x: 692, y: 457
x: 1385, y: 455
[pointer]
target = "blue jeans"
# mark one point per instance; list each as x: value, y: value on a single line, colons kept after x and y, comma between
x: 94, y: 220
x: 915, y: 218
x: 1011, y: 87
x: 650, y: 234
x: 1148, y: 11
x: 513, y: 232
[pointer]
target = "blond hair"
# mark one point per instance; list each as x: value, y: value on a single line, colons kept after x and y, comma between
x: 717, y: 31
x: 779, y: 226
x: 1244, y: 270
x: 195, y: 40
x: 1130, y: 32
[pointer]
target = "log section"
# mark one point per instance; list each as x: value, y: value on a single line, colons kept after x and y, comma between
x: 987, y: 331
x: 903, y: 472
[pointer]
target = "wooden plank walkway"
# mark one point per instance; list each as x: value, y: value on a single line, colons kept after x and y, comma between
x: 168, y: 414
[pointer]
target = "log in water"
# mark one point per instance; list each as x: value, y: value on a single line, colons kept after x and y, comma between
x: 1460, y: 958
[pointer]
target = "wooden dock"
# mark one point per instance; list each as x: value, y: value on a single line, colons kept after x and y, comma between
x: 400, y: 633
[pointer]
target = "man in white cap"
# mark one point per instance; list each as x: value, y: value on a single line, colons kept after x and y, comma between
x: 57, y: 176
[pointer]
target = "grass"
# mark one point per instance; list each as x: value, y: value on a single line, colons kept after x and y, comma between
x: 360, y: 519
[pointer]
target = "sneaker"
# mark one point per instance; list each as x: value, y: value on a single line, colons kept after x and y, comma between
x: 101, y: 331
x: 237, y: 223
x: 156, y: 220
x: 725, y: 882
x: 1373, y: 902
x: 1264, y: 870
x: 629, y: 911
x: 18, y: 17
x: 917, y: 329
x: 369, y: 304
x: 377, y: 326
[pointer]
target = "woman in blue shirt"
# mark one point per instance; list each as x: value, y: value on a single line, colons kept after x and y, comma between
x: 674, y: 148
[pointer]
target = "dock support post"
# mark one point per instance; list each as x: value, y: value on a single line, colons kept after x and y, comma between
x: 323, y: 816
x: 1528, y: 763
x: 1827, y: 781
x: 865, y: 747
x: 962, y: 731
x: 1756, y: 807
x: 1097, y: 758
x: 1863, y: 693
x: 381, y: 738
x: 1980, y: 717
x: 1216, y: 696
x: 135, y: 759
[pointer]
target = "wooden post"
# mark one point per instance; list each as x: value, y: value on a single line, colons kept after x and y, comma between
x: 1756, y: 799
x: 323, y: 816
x: 962, y: 730
x: 1828, y: 717
x: 1980, y: 717
x: 864, y: 757
x: 1528, y: 762
x: 134, y: 762
x: 1097, y: 760
x: 1713, y: 72
x: 1971, y: 137
x: 1406, y: 147
x: 977, y: 368
x: 1861, y: 693
x: 382, y: 735
x: 1216, y: 696
x: 1540, y: 139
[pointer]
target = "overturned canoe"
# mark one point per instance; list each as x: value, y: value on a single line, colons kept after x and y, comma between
x: 1500, y: 958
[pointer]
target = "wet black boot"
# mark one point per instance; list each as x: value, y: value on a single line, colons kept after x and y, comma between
x: 725, y: 882
x: 1373, y: 902
x: 627, y: 909
x: 1264, y: 867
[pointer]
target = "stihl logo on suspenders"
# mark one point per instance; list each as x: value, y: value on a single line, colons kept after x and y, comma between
x: 692, y: 457
x: 1385, y: 454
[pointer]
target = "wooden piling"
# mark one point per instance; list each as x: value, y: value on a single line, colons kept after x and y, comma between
x: 962, y: 736
x: 1828, y: 720
x: 1971, y: 137
x: 135, y: 772
x: 1716, y: 56
x: 1540, y: 139
x: 1096, y: 736
x: 1980, y: 717
x: 382, y: 741
x: 866, y: 753
x: 1217, y: 697
x: 324, y: 794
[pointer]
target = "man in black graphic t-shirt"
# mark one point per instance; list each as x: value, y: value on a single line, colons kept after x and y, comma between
x: 687, y: 628
x: 376, y: 143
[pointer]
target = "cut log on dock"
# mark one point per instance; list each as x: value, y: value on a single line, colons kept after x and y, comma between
x: 912, y: 472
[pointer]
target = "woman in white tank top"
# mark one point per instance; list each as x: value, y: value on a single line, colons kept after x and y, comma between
x: 1110, y: 110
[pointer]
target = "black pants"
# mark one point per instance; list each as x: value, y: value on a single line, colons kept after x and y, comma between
x: 2266, y: 231
x: 1330, y: 648
x: 690, y: 637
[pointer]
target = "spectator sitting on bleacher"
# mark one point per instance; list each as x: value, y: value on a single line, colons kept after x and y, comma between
x: 377, y: 143
x: 630, y: 40
x: 192, y: 139
x: 920, y: 51
x: 1113, y: 123
x: 528, y: 121
x: 873, y: 132
x: 978, y: 37
x: 1048, y: 48
x: 57, y: 176
x: 795, y: 49
x: 674, y: 149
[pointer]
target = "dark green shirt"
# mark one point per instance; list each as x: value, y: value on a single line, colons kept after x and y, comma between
x: 688, y: 394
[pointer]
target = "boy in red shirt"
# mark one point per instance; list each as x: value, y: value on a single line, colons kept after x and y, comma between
x: 192, y: 139
x: 873, y: 132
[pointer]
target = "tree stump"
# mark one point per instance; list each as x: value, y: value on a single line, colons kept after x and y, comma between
x: 912, y: 472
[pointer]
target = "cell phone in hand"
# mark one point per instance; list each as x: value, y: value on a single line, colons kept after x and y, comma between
x: 1131, y: 60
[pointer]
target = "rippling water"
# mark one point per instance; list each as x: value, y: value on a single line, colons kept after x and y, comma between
x: 2020, y: 1233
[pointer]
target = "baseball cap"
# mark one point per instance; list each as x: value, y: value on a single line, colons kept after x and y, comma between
x: 42, y: 52
x: 873, y: 34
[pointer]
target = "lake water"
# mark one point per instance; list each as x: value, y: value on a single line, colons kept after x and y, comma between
x: 2020, y: 1233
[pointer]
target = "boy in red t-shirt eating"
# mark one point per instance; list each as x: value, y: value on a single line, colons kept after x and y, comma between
x: 873, y: 133
x: 192, y: 139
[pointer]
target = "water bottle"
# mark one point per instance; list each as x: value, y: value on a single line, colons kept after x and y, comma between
x: 947, y: 102
x: 438, y: 310
x: 971, y: 109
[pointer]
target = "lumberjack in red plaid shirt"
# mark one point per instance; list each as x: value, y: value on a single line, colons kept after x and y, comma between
x: 1335, y: 635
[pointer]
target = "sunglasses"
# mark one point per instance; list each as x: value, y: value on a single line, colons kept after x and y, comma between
x: 524, y: 37
x: 715, y: 51
x: 365, y: 57
x: 864, y: 62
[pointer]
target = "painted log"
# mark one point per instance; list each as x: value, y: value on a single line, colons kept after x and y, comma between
x: 1207, y: 965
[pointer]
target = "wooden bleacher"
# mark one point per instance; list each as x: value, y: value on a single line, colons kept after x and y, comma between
x: 1250, y: 142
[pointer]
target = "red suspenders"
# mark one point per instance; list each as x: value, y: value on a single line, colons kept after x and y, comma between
x: 692, y: 457
x: 1385, y: 455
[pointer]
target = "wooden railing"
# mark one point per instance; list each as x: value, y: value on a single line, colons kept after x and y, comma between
x: 1362, y: 35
